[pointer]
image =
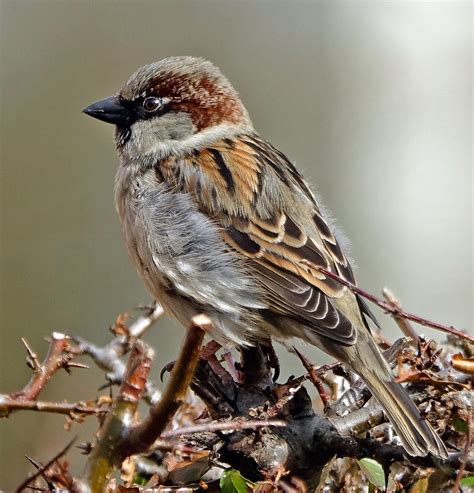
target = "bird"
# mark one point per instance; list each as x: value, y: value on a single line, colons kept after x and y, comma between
x: 218, y: 221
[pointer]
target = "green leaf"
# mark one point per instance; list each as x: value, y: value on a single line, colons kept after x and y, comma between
x: 140, y: 480
x: 460, y: 425
x: 467, y: 481
x: 374, y: 472
x: 233, y: 482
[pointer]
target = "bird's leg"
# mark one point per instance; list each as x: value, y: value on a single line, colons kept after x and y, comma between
x: 254, y: 366
x: 272, y: 357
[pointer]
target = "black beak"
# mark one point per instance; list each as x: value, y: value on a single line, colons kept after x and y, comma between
x: 109, y: 110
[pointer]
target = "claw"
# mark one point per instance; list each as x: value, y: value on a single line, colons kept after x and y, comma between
x: 167, y: 368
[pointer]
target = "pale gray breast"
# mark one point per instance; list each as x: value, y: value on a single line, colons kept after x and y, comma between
x: 176, y: 247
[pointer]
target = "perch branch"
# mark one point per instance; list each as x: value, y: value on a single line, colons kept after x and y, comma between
x: 213, y: 427
x: 146, y: 432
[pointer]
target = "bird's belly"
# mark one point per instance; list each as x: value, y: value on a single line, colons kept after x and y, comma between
x: 186, y: 265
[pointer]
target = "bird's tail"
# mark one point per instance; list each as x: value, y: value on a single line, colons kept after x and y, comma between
x: 416, y: 434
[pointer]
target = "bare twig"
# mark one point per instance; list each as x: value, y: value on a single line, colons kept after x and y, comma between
x: 32, y: 358
x: 235, y: 425
x: 387, y: 307
x: 7, y: 405
x: 57, y: 357
x: 404, y: 325
x: 44, y: 468
x: 315, y: 374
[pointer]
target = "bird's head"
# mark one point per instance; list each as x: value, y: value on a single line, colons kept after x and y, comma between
x: 172, y: 105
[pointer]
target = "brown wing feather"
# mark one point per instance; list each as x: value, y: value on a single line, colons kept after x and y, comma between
x: 268, y: 214
x: 283, y: 248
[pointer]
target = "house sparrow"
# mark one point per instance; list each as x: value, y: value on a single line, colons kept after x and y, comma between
x: 220, y: 222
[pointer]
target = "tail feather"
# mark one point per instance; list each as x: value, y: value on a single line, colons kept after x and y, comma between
x: 416, y: 434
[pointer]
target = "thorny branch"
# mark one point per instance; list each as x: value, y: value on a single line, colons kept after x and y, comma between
x: 267, y: 430
x: 58, y: 357
x: 392, y: 308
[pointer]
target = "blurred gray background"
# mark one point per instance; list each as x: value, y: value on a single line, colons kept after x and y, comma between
x: 372, y: 100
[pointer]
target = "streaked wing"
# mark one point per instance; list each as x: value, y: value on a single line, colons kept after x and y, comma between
x: 269, y: 215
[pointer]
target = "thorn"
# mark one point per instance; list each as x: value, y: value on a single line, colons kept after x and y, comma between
x: 106, y: 385
x: 148, y: 308
x: 31, y: 358
x: 44, y: 467
x: 35, y: 463
x: 85, y: 447
x: 41, y: 469
x: 73, y: 364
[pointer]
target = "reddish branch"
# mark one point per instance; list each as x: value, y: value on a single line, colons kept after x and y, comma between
x: 108, y: 451
x: 58, y: 357
x: 393, y: 309
x: 315, y: 374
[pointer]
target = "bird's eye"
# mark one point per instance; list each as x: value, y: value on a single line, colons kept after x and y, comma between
x: 151, y: 104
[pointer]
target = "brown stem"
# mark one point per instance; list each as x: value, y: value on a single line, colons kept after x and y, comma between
x: 55, y: 359
x: 7, y: 405
x: 395, y: 311
x: 108, y: 451
x: 235, y: 425
x: 146, y: 432
x: 315, y: 373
